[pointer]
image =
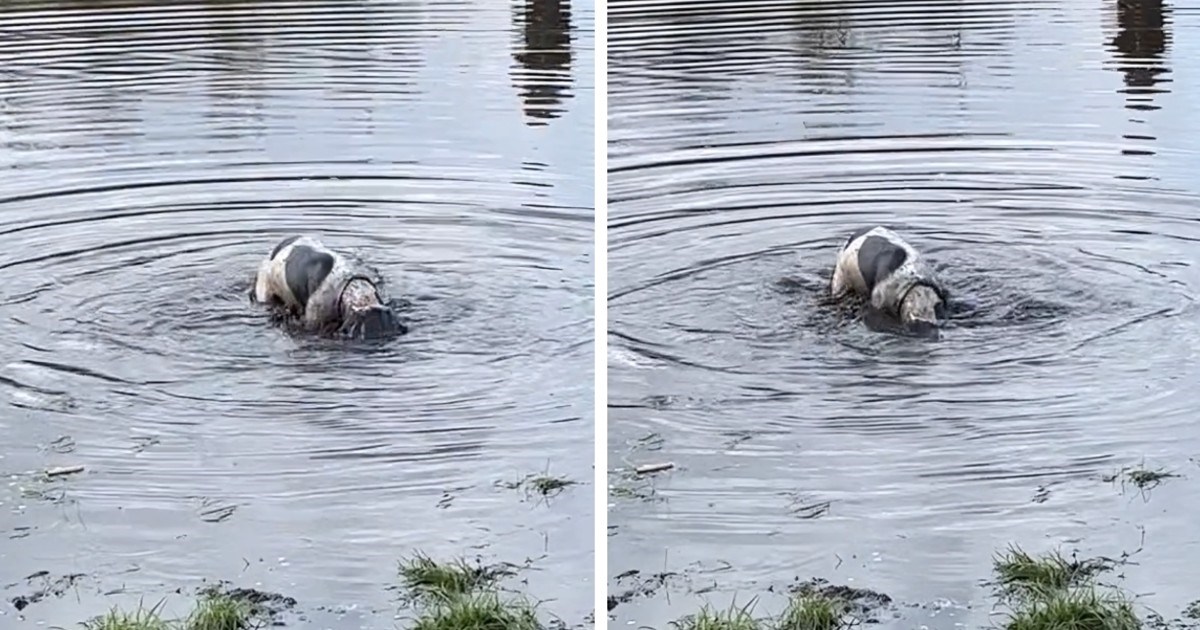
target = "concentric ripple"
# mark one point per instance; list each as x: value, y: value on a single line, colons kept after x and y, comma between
x: 1041, y: 153
x: 154, y: 153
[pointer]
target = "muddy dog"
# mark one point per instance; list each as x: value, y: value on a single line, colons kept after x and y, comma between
x: 878, y: 266
x: 324, y: 290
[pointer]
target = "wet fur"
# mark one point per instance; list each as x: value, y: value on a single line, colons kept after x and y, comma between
x: 310, y: 285
x: 878, y: 266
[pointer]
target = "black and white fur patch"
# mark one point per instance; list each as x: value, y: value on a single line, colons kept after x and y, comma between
x: 879, y: 266
x: 319, y: 286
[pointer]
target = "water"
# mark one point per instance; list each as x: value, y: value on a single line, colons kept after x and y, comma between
x: 153, y: 154
x: 1043, y: 154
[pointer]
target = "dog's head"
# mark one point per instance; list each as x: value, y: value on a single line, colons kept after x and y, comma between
x: 364, y: 316
x: 372, y: 323
x: 922, y: 311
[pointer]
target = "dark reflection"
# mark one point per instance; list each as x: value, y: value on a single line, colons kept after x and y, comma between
x: 117, y: 64
x: 1141, y: 39
x: 542, y: 73
x: 824, y: 46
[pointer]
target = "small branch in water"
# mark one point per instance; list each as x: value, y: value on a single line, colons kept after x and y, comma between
x: 653, y: 468
x: 63, y: 470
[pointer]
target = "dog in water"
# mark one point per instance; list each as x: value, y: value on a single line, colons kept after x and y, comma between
x: 324, y: 291
x: 881, y: 268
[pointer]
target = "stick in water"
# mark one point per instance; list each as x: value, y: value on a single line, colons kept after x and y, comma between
x: 64, y: 470
x: 653, y: 468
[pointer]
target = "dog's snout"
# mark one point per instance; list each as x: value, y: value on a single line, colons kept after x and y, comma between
x: 374, y: 323
x: 925, y: 329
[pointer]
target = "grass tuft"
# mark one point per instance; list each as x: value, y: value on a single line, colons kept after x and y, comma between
x: 547, y: 485
x: 479, y: 611
x: 460, y: 596
x: 732, y: 618
x: 220, y: 612
x: 442, y: 581
x: 1141, y: 478
x: 140, y: 619
x: 543, y: 484
x: 1075, y: 609
x: 1148, y: 478
x: 213, y: 611
x: 813, y: 612
x: 1021, y: 574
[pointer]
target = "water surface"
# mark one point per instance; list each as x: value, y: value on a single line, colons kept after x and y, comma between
x: 1043, y: 154
x: 153, y: 154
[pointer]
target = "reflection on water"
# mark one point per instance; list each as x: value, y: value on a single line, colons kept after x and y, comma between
x: 545, y: 59
x: 153, y: 154
x: 747, y: 142
x: 1140, y: 43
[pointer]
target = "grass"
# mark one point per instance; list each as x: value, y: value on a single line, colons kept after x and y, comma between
x: 1050, y: 591
x: 1141, y: 478
x: 428, y: 578
x: 458, y: 595
x: 1056, y: 593
x: 220, y: 612
x: 479, y: 611
x: 140, y: 619
x: 544, y: 484
x: 1020, y: 573
x: 212, y: 612
x: 813, y: 612
x: 1075, y: 609
x: 547, y: 485
x: 804, y: 612
x: 732, y: 618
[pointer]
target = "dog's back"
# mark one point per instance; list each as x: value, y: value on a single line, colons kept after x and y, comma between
x: 304, y: 276
x: 878, y: 265
x: 868, y: 258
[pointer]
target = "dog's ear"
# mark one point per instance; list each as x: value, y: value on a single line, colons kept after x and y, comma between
x: 887, y: 264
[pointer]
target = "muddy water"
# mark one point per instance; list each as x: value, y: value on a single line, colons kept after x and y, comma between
x: 152, y: 154
x: 1043, y: 154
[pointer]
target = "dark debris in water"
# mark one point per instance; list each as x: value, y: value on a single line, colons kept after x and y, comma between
x: 541, y: 484
x: 805, y: 508
x: 215, y: 511
x: 1155, y: 621
x: 44, y: 586
x: 629, y: 485
x: 736, y: 438
x: 649, y: 442
x: 635, y: 482
x: 62, y: 444
x: 449, y: 495
x: 143, y: 442
x: 261, y: 604
x: 636, y: 586
x: 859, y: 601
x: 1143, y: 479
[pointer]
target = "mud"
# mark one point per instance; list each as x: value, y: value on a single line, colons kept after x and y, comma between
x: 860, y: 602
x: 43, y: 586
x: 636, y: 586
x: 269, y: 607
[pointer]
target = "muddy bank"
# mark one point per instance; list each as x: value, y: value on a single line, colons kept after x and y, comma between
x: 1045, y: 591
x: 253, y: 588
x: 870, y: 583
x: 427, y: 595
